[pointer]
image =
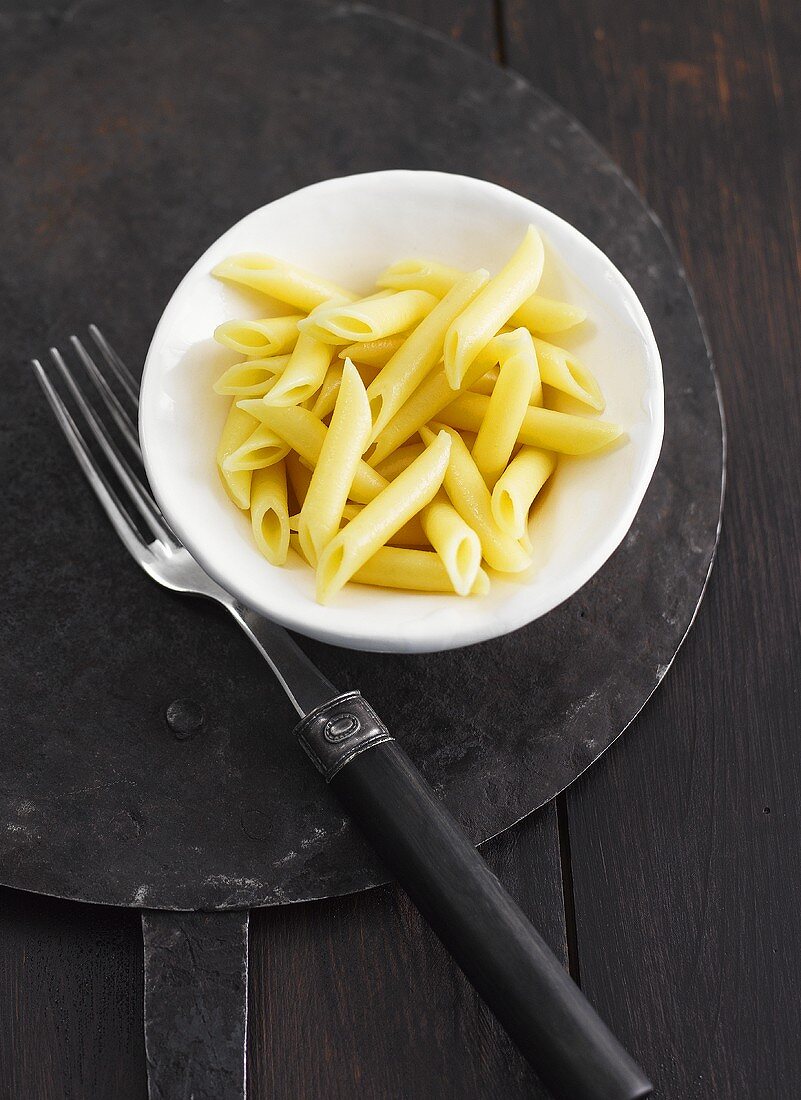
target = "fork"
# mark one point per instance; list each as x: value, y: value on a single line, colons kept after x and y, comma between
x: 486, y: 933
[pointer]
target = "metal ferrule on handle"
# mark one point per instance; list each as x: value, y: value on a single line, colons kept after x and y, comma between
x: 487, y: 934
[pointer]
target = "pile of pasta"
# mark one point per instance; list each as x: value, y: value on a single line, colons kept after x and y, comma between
x: 400, y: 439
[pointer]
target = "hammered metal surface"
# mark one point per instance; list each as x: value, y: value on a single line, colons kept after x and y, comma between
x: 132, y: 139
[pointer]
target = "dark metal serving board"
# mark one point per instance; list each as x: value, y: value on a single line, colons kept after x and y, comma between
x: 131, y: 143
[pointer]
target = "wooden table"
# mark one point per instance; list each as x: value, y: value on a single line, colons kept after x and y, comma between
x: 667, y: 877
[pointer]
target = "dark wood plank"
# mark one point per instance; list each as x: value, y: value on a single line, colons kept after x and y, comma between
x: 70, y: 1001
x: 684, y: 837
x: 357, y: 997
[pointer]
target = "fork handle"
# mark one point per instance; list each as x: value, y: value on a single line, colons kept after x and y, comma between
x: 486, y: 933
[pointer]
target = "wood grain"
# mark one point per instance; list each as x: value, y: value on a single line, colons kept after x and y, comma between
x: 684, y: 837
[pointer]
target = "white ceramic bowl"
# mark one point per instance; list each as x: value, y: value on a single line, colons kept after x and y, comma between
x: 349, y: 229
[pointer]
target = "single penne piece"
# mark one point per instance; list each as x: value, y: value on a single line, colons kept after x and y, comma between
x: 457, y: 544
x: 546, y: 316
x: 403, y: 498
x: 280, y: 280
x: 517, y: 487
x: 327, y: 394
x: 470, y: 497
x: 253, y: 378
x: 298, y: 477
x: 269, y: 514
x: 305, y: 434
x: 373, y: 353
x: 303, y: 374
x: 429, y: 399
x: 410, y: 364
x: 398, y: 567
x: 518, y: 384
x: 238, y: 426
x: 415, y: 274
x: 269, y: 336
x: 263, y: 447
x: 369, y: 318
x: 541, y: 315
x: 336, y: 467
x: 492, y: 308
x: 564, y: 372
x: 543, y: 428
x: 399, y: 460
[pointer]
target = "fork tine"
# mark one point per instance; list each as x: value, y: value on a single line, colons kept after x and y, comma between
x: 127, y: 380
x: 109, y: 500
x: 141, y: 497
x: 110, y: 399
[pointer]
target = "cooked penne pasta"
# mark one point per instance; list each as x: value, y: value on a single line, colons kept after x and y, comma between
x: 373, y: 353
x: 304, y: 433
x: 408, y: 432
x: 471, y: 498
x: 457, y: 544
x: 326, y: 396
x: 238, y: 426
x: 517, y: 386
x: 414, y: 570
x: 411, y: 490
x: 399, y: 460
x: 429, y: 399
x: 336, y: 467
x: 269, y: 515
x: 298, y: 477
x: 369, y: 318
x: 560, y: 369
x: 544, y: 428
x: 303, y: 375
x: 261, y: 448
x: 517, y: 487
x: 410, y: 364
x: 493, y: 307
x: 270, y: 336
x: 541, y: 315
x: 253, y: 378
x: 280, y: 280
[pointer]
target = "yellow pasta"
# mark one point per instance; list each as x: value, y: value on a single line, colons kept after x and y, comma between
x: 373, y: 353
x: 280, y: 280
x: 336, y: 466
x: 457, y: 544
x: 369, y: 318
x: 414, y: 570
x: 269, y: 515
x: 410, y: 364
x: 298, y: 477
x: 253, y: 378
x: 304, y: 433
x: 430, y: 398
x: 238, y: 426
x: 411, y: 490
x: 262, y: 447
x: 471, y: 498
x: 437, y: 441
x: 541, y: 315
x: 303, y: 374
x: 517, y: 385
x: 270, y: 336
x: 544, y: 428
x: 493, y: 307
x: 399, y: 460
x: 560, y: 369
x: 517, y: 487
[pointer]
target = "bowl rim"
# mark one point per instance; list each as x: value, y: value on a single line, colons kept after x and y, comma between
x: 301, y: 617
